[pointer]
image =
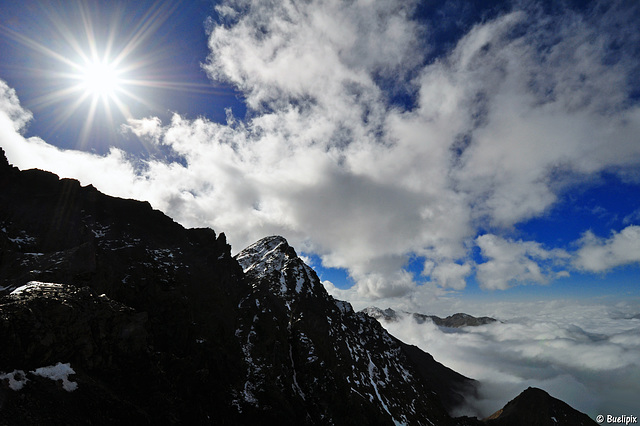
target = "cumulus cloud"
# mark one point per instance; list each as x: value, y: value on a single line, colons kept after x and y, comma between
x: 516, y: 262
x: 597, y: 254
x: 14, y: 117
x: 521, y: 107
x: 585, y: 354
x: 451, y: 275
x: 146, y: 128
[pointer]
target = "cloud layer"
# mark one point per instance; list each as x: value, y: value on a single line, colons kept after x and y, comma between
x: 497, y: 131
x: 587, y: 355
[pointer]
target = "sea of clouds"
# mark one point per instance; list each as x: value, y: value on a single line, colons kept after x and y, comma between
x: 586, y: 354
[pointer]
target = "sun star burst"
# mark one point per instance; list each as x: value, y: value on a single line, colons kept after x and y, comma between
x: 95, y: 69
x: 101, y: 79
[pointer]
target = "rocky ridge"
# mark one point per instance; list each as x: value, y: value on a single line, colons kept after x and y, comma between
x: 452, y: 321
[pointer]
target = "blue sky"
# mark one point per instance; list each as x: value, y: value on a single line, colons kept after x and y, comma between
x: 174, y: 44
x: 411, y: 151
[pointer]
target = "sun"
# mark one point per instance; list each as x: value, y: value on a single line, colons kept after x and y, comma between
x: 97, y: 67
x: 100, y: 79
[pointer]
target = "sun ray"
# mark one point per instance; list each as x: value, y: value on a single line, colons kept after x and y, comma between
x: 38, y: 47
x: 88, y: 124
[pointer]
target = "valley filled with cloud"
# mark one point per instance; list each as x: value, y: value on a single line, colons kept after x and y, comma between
x: 583, y: 353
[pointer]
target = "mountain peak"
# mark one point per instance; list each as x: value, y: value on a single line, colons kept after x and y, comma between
x: 265, y: 251
x: 274, y: 262
x: 536, y: 407
x: 162, y: 325
x: 379, y: 314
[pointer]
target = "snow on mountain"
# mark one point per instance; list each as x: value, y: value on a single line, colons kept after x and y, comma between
x: 322, y: 348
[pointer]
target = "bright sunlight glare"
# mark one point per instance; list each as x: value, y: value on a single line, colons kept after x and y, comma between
x: 100, y: 78
x: 100, y: 68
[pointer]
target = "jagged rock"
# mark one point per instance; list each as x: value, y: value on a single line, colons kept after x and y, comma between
x: 535, y: 407
x: 184, y: 281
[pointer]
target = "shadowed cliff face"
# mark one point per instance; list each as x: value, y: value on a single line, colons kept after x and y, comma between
x: 182, y: 285
x: 111, y: 313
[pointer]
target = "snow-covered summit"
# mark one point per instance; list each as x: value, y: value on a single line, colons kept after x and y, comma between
x: 265, y: 254
x: 273, y: 261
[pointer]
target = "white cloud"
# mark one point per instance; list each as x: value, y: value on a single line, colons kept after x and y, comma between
x: 521, y: 107
x: 145, y: 128
x: 14, y: 117
x: 597, y: 254
x: 516, y: 262
x: 451, y: 275
x: 633, y: 217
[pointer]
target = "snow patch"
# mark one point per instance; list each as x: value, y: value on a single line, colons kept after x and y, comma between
x: 57, y: 372
x: 25, y: 239
x: 299, y: 283
x: 17, y: 379
x: 100, y: 231
x: 33, y: 285
x: 295, y: 385
x: 345, y: 307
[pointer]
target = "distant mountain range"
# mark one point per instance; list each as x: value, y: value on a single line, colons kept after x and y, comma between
x: 112, y: 313
x: 452, y: 321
